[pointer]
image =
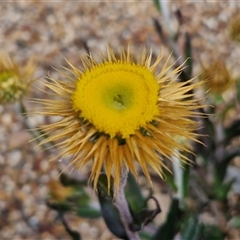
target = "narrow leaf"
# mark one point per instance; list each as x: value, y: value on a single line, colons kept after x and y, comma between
x: 157, y: 4
x: 134, y: 195
x: 172, y: 225
x: 109, y: 211
x: 144, y: 216
x: 188, y: 55
x: 88, y: 212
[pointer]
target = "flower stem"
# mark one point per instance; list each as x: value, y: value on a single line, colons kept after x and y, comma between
x: 121, y: 203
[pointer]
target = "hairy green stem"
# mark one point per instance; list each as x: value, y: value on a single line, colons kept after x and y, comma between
x: 121, y: 203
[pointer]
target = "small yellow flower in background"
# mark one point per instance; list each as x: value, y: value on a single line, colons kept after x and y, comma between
x: 234, y: 28
x: 118, y: 112
x: 14, y: 81
x: 218, y: 78
x: 59, y: 192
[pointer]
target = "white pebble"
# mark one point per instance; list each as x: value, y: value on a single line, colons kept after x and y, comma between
x: 14, y: 157
x: 44, y: 165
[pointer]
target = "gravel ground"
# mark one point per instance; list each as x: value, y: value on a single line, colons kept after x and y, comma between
x: 50, y: 31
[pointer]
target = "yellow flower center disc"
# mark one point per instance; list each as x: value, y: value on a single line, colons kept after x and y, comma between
x: 117, y: 98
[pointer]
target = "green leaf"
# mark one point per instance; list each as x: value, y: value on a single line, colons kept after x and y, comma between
x: 238, y: 89
x: 109, y: 211
x: 59, y: 206
x: 78, y: 201
x: 145, y: 236
x: 112, y: 218
x: 186, y: 175
x: 221, y: 166
x: 157, y: 4
x: 134, y: 195
x: 209, y: 232
x: 79, y: 197
x: 188, y: 55
x: 102, y: 186
x: 170, y: 180
x: 224, y: 112
x: 172, y: 224
x: 232, y: 131
x: 88, y: 212
x: 138, y: 205
x: 216, y: 98
x: 159, y: 30
x: 190, y: 228
x: 144, y: 216
x: 193, y: 230
x: 66, y: 180
x: 221, y: 191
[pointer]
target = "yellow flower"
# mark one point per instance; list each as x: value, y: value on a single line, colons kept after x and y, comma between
x: 118, y: 112
x: 59, y: 192
x: 14, y: 81
x: 218, y: 78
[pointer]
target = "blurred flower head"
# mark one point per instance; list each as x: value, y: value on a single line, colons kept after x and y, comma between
x: 14, y: 81
x: 59, y: 192
x: 234, y: 28
x: 120, y: 111
x: 218, y: 78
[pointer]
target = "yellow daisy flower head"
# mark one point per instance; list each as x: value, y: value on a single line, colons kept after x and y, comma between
x: 120, y: 111
x: 14, y: 81
x: 218, y: 78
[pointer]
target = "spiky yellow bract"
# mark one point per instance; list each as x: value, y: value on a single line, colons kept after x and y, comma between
x: 14, y: 81
x: 118, y: 112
